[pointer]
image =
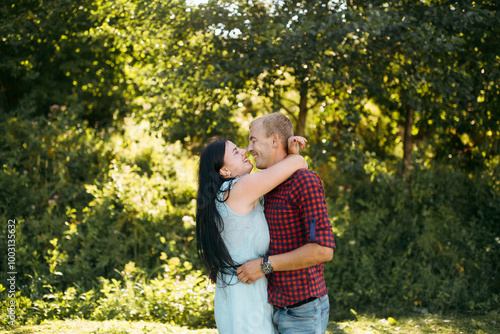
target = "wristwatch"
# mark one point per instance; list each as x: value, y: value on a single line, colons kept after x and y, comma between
x: 266, y: 266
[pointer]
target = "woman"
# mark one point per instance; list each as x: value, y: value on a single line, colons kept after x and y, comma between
x: 231, y: 229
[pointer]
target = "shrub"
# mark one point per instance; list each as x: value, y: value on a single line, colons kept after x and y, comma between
x: 142, y: 206
x: 179, y: 295
x: 427, y: 243
x: 87, y: 202
x: 45, y: 163
x: 175, y: 294
x: 19, y: 309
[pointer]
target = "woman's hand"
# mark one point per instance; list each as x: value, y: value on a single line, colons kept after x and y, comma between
x: 295, y: 143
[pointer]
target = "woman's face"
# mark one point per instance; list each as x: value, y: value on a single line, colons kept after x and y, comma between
x: 236, y: 162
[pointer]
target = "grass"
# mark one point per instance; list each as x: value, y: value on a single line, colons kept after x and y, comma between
x: 489, y: 324
x: 486, y: 324
x: 105, y: 327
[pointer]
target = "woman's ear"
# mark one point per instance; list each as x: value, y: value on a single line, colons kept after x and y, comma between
x: 224, y: 172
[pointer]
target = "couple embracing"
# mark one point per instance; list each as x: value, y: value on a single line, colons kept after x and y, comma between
x: 264, y: 236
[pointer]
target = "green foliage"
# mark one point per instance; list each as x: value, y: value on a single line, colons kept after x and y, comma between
x: 329, y: 62
x: 45, y: 163
x: 416, y: 59
x: 88, y: 202
x: 176, y: 294
x: 56, y: 304
x: 179, y: 295
x: 424, y: 244
x: 53, y: 52
x: 19, y: 309
x: 143, y: 206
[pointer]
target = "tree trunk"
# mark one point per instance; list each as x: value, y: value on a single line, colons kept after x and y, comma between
x: 408, y: 140
x: 302, y: 120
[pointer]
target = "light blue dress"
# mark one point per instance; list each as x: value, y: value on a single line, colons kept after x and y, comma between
x: 240, y: 307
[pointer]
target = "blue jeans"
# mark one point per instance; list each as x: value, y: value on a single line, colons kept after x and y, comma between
x: 310, y: 318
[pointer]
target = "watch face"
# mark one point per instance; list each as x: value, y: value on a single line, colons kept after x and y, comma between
x: 267, y: 268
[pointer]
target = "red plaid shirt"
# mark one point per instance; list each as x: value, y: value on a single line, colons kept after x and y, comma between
x: 296, y: 214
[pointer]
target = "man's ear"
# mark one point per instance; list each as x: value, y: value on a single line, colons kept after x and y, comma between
x: 276, y: 140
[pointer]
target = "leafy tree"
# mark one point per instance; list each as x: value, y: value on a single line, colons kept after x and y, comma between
x: 280, y: 50
x: 55, y: 52
x: 432, y: 63
x: 332, y: 61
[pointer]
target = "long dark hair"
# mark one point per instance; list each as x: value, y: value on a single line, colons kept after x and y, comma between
x: 209, y: 225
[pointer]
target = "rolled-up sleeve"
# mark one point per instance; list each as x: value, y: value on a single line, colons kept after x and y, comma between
x: 309, y: 196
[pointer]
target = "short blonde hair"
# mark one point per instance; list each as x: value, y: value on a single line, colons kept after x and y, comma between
x: 276, y: 123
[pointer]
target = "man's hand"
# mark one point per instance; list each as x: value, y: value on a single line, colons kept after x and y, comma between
x: 250, y: 271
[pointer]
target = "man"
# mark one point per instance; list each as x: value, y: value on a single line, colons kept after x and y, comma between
x: 301, y: 236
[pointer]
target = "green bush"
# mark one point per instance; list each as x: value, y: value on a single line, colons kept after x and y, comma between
x: 88, y: 202
x: 45, y: 164
x: 174, y: 294
x: 14, y: 310
x: 429, y: 242
x: 142, y: 206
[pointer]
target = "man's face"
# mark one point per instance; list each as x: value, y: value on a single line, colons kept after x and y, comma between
x: 260, y: 146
